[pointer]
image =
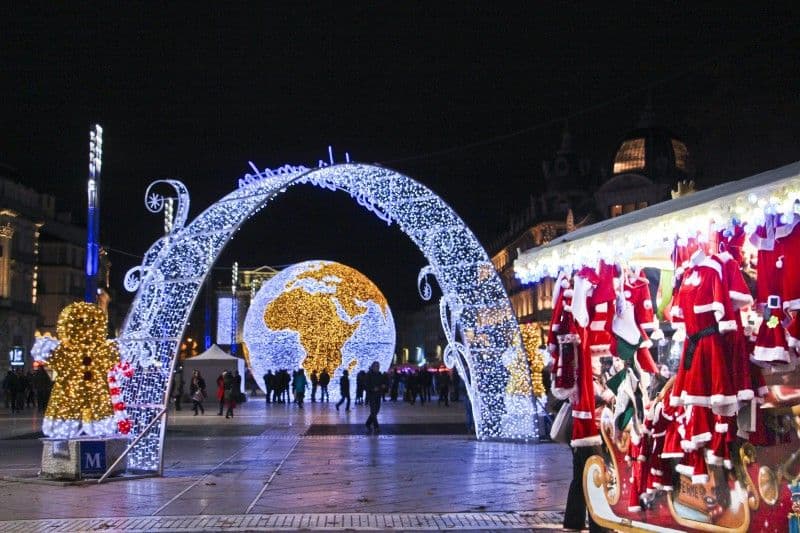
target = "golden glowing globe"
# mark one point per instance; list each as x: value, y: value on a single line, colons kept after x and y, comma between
x: 318, y: 315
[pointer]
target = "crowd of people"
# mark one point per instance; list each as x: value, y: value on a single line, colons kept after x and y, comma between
x: 22, y: 390
x: 372, y: 388
x: 400, y: 384
x: 228, y: 394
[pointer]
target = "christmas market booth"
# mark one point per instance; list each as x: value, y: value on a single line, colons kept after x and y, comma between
x: 675, y: 339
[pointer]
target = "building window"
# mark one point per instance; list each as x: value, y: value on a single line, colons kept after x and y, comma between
x: 630, y: 156
x: 615, y: 210
x: 641, y: 205
x: 681, y: 155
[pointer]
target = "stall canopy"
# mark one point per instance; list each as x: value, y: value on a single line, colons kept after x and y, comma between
x: 644, y: 233
x: 211, y: 363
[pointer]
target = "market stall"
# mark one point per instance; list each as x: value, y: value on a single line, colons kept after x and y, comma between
x: 675, y: 343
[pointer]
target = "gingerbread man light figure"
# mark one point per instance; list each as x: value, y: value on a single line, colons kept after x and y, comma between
x: 80, y: 403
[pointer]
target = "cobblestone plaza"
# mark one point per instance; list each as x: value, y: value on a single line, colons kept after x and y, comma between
x: 279, y: 468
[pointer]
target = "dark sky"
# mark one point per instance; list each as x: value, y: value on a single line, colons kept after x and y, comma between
x: 193, y: 92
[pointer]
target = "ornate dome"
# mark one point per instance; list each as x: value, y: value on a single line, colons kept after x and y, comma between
x: 654, y: 152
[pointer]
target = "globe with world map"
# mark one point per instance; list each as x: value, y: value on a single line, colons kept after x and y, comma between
x: 318, y: 315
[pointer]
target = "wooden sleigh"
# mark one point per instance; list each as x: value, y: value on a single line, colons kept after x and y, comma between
x: 761, y: 492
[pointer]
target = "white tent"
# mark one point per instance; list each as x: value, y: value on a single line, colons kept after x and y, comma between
x: 211, y: 363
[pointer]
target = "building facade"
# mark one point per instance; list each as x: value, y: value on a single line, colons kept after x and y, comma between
x: 42, y: 254
x: 647, y: 163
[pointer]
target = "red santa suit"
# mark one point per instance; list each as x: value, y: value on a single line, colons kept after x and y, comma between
x: 656, y: 423
x: 563, y: 342
x: 788, y: 238
x: 584, y: 429
x: 704, y: 377
x: 735, y: 341
x: 600, y: 307
x: 771, y: 346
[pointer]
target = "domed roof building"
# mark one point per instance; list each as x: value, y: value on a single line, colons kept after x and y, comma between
x: 647, y: 163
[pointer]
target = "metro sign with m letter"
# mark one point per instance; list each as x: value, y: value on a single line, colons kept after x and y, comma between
x: 93, y: 457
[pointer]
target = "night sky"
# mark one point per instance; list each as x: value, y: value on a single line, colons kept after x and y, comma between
x: 466, y: 98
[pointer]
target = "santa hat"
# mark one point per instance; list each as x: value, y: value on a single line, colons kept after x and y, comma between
x: 731, y: 240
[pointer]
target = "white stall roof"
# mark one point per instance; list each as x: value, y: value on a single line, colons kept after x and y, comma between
x: 721, y: 197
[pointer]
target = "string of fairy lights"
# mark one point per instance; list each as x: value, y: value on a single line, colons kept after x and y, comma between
x: 173, y: 270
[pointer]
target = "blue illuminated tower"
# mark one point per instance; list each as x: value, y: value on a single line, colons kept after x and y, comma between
x: 234, y: 306
x: 93, y: 218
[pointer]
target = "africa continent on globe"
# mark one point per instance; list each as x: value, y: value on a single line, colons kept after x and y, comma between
x: 318, y: 315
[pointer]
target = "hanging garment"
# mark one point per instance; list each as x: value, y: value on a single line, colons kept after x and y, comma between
x: 771, y: 348
x: 703, y: 376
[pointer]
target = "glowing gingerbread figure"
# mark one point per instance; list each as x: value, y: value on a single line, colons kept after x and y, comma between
x: 80, y: 402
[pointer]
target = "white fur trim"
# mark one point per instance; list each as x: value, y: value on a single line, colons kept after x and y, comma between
x: 786, y: 229
x: 719, y: 427
x: 686, y: 470
x: 712, y: 264
x: 597, y: 325
x: 741, y: 299
x: 717, y: 307
x: 721, y: 404
x: 727, y: 325
x: 634, y: 509
x: 595, y: 440
x: 745, y: 395
x: 769, y: 355
x: 667, y: 488
x: 583, y: 415
x: 700, y: 479
x: 656, y: 472
x: 792, y: 305
x: 672, y: 455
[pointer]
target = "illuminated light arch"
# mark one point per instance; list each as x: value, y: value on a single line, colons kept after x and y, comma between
x: 484, y: 341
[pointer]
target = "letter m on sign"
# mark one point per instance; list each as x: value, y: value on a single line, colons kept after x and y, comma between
x: 93, y: 457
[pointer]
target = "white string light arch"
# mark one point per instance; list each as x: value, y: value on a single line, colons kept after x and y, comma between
x: 484, y: 341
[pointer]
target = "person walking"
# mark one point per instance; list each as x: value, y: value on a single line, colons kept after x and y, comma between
x: 443, y: 381
x: 43, y: 385
x: 314, y: 383
x: 395, y: 386
x: 197, y: 390
x: 300, y: 386
x: 269, y: 384
x: 324, y: 380
x: 375, y: 384
x: 178, y: 388
x: 238, y: 395
x: 360, y: 381
x: 20, y: 387
x: 8, y: 395
x: 344, y: 390
x: 221, y: 392
x: 229, y: 382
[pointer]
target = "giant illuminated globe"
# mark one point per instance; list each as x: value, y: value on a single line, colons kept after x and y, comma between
x: 319, y: 315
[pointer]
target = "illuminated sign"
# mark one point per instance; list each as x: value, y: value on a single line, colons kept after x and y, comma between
x: 16, y: 356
